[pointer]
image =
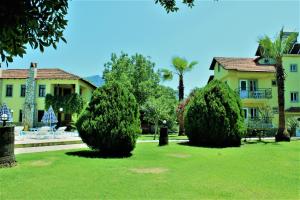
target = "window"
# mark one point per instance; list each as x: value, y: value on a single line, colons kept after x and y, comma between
x: 42, y: 90
x: 293, y: 67
x: 67, y: 91
x: 20, y: 116
x: 274, y: 83
x: 294, y: 96
x: 245, y: 113
x: 9, y: 90
x: 40, y: 115
x: 23, y: 90
x: 253, y: 113
x: 253, y: 85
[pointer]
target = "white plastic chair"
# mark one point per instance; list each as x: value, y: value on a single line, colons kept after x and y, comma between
x: 43, y: 132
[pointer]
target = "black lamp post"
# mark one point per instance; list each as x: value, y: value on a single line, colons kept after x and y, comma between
x: 163, y: 135
x: 4, y: 118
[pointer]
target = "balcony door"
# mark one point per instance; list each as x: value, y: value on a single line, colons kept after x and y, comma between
x: 252, y: 85
x: 243, y: 89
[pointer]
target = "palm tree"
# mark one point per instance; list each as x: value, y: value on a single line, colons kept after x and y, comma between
x: 181, y: 66
x: 275, y: 50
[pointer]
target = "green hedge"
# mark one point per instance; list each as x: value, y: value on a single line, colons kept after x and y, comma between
x: 214, y: 117
x: 111, y: 121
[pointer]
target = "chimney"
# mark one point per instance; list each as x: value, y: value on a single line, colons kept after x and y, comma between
x: 33, y: 67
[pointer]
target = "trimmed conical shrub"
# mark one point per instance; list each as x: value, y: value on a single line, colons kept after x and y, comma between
x: 214, y: 117
x: 110, y: 123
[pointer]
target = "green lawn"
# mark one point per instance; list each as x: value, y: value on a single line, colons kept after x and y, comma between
x: 253, y: 171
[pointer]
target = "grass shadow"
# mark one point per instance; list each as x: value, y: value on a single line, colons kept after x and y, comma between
x: 96, y: 154
x: 205, y: 146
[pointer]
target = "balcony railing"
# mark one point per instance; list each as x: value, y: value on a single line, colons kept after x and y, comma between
x: 259, y: 123
x: 261, y: 93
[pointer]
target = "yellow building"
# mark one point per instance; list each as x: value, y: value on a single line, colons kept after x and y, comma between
x: 18, y: 86
x: 255, y: 82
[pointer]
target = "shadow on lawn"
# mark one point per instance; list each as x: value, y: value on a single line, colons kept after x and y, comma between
x: 220, y: 147
x: 95, y: 154
x: 205, y: 146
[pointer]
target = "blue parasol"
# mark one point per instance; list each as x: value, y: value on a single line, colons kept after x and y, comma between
x: 49, y: 117
x: 5, y: 110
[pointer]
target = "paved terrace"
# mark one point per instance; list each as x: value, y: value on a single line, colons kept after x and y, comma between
x: 30, y: 145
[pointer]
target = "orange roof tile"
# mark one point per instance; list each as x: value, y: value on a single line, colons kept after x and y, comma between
x: 241, y: 64
x: 41, y: 74
x: 52, y: 73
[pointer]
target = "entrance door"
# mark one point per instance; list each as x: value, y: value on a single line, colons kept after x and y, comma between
x: 243, y: 89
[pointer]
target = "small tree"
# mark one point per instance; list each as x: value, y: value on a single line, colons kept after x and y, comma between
x: 275, y: 50
x: 266, y: 113
x: 111, y: 121
x: 161, y: 107
x: 181, y: 66
x: 214, y: 116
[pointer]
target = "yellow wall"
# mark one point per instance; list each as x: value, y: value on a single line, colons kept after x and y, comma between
x: 264, y: 80
x: 16, y: 102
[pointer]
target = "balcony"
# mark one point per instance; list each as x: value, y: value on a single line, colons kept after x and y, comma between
x: 259, y: 123
x: 261, y: 93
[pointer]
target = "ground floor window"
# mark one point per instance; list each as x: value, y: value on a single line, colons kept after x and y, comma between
x: 40, y: 115
x: 245, y: 110
x: 20, y: 116
x: 253, y: 113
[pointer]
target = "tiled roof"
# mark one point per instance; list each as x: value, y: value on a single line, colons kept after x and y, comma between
x: 53, y: 73
x: 41, y: 74
x: 241, y: 64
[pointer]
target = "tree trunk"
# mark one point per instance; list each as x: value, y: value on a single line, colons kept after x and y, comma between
x: 181, y: 123
x: 180, y: 114
x: 181, y: 88
x: 155, y: 129
x: 281, y: 136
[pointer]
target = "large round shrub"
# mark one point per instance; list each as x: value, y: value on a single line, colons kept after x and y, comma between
x: 214, y: 116
x: 111, y: 121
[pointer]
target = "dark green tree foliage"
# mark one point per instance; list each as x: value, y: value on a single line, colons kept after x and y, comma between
x: 214, y: 117
x: 170, y: 5
x: 136, y: 73
x: 111, y: 121
x: 161, y: 107
x: 39, y: 23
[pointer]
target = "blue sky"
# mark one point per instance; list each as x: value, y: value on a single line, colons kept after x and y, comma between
x: 223, y: 28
